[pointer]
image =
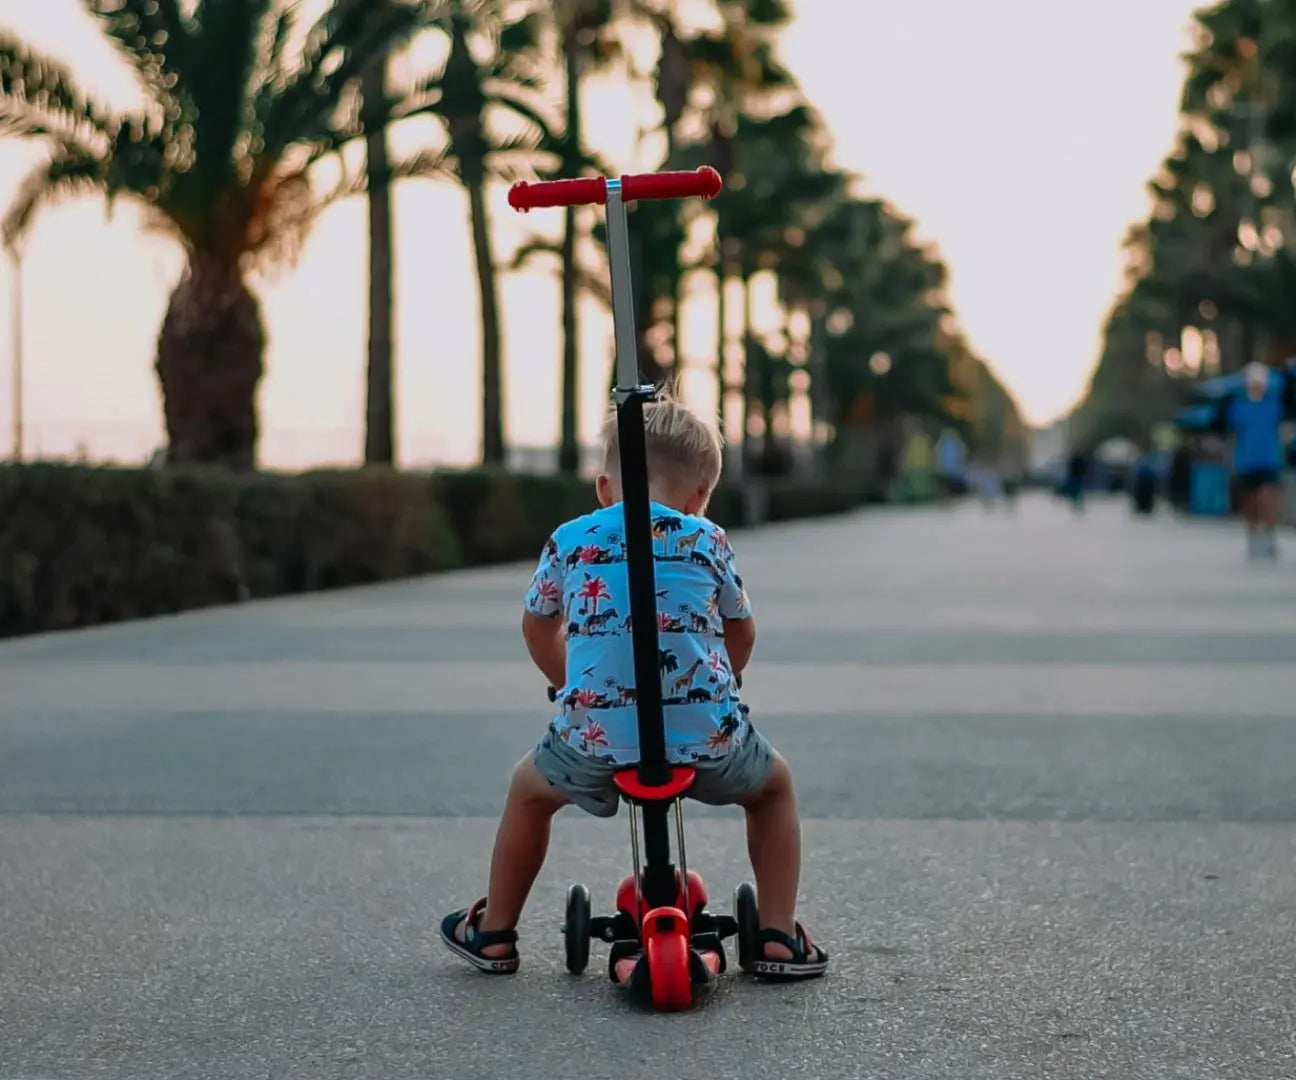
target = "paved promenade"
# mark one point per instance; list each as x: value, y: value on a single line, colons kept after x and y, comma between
x: 1047, y: 766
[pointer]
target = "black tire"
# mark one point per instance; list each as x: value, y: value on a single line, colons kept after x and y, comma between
x: 748, y: 916
x: 576, y: 928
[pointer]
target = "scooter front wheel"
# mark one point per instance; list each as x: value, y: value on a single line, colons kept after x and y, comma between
x: 666, y: 949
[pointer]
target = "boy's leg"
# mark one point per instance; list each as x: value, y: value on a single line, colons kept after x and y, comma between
x: 774, y: 847
x: 521, y: 843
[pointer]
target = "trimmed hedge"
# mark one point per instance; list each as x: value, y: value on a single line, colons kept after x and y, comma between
x: 81, y: 546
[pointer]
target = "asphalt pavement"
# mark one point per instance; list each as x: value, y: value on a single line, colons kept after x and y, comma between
x: 1047, y: 767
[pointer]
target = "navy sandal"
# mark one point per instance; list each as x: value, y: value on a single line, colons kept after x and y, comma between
x: 800, y: 966
x: 476, y: 940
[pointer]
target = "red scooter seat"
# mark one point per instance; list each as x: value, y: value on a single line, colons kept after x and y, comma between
x: 681, y: 779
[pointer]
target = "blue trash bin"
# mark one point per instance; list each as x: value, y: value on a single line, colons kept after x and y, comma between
x: 1209, y: 492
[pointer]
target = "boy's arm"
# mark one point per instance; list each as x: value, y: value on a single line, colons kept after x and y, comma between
x: 547, y: 645
x: 542, y: 625
x: 734, y: 607
x: 740, y: 641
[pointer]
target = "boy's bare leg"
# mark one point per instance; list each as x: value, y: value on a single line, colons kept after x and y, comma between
x: 521, y: 843
x: 774, y: 846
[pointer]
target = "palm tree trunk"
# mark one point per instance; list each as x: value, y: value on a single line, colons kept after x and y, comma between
x: 569, y: 449
x: 380, y: 420
x: 721, y: 341
x: 749, y: 376
x: 676, y: 285
x: 209, y: 363
x: 492, y: 367
x: 818, y: 383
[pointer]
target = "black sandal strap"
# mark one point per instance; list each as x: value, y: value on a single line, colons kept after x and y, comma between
x: 799, y: 946
x: 477, y: 939
x: 484, y: 939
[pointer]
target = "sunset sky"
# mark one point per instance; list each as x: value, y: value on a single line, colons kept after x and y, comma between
x: 1019, y: 135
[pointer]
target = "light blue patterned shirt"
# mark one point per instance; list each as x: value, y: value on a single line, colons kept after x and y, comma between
x: 582, y: 579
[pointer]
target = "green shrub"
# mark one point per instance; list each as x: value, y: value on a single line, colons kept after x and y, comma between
x: 80, y: 546
x: 504, y: 517
x: 791, y: 499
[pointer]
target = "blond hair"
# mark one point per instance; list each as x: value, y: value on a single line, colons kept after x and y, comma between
x: 683, y: 449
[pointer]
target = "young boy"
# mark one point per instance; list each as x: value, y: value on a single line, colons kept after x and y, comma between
x: 577, y: 628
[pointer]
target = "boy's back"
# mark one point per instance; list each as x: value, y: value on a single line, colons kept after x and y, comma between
x: 582, y: 577
x: 578, y: 632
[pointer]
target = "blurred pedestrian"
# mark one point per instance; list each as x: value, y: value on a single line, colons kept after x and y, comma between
x: 1077, y: 476
x: 1254, y: 415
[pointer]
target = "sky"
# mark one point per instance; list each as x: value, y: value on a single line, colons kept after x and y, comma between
x: 1019, y: 135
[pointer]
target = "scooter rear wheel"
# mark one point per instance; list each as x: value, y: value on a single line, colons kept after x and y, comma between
x: 748, y: 916
x: 576, y: 928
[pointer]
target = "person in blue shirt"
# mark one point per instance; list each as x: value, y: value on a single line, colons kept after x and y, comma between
x: 1254, y: 416
x: 577, y: 627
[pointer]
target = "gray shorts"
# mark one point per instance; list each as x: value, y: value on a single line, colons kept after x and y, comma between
x: 587, y: 782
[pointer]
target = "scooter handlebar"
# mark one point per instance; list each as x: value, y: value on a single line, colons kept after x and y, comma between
x: 703, y: 183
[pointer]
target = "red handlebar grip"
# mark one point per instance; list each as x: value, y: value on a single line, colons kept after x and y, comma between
x: 704, y: 183
x: 585, y: 191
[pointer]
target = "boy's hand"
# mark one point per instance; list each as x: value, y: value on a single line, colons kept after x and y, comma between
x: 740, y: 641
x: 547, y: 646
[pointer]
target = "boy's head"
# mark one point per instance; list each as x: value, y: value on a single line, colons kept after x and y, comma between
x: 684, y: 457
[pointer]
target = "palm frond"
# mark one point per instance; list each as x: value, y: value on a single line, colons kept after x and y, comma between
x: 540, y: 129
x: 425, y: 165
x: 531, y: 250
x: 342, y: 44
x: 66, y: 174
x: 39, y: 96
x: 421, y: 100
x: 285, y: 22
x: 513, y: 158
x: 594, y: 283
x: 276, y: 234
x: 220, y: 77
x: 154, y: 36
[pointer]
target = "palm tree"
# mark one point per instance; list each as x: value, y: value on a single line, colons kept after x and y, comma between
x: 735, y: 70
x: 380, y: 419
x: 220, y: 157
x: 778, y: 175
x: 491, y: 69
x: 586, y: 43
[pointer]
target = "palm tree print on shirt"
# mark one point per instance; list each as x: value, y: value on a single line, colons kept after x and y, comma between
x: 724, y: 734
x: 663, y: 527
x: 592, y: 734
x: 668, y: 623
x: 592, y: 590
x: 546, y: 592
